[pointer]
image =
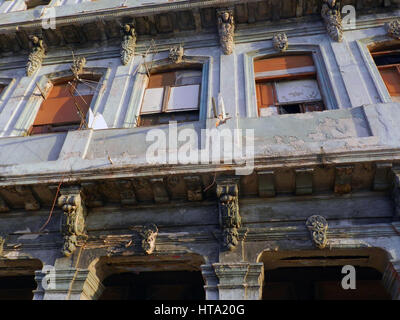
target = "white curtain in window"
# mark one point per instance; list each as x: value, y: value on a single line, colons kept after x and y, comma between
x: 297, y: 91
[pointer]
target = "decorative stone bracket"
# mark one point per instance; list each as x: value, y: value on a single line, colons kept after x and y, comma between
x: 318, y: 227
x: 281, y: 42
x: 332, y: 16
x: 77, y: 66
x: 393, y: 29
x: 128, y: 43
x: 36, y: 55
x: 226, y: 29
x: 149, y: 234
x: 73, y: 227
x: 229, y: 217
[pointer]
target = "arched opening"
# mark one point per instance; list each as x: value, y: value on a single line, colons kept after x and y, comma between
x: 322, y: 283
x: 17, y: 279
x: 152, y: 277
x: 166, y: 285
x: 318, y: 275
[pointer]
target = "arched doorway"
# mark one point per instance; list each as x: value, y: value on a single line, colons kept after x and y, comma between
x: 317, y: 275
x: 152, y: 277
x: 166, y: 285
x: 17, y: 279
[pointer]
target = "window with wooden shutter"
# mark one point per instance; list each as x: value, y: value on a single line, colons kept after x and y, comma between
x: 388, y: 62
x: 287, y: 84
x: 65, y: 107
x: 171, y: 96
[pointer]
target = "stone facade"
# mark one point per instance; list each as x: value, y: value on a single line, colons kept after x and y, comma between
x: 118, y: 213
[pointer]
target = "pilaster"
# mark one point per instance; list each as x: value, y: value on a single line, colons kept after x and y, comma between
x: 67, y: 284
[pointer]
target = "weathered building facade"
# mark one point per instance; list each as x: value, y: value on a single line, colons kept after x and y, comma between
x: 85, y: 215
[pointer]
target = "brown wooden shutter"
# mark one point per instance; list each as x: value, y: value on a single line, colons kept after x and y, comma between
x: 60, y: 107
x: 265, y: 95
x: 283, y: 63
x: 391, y: 77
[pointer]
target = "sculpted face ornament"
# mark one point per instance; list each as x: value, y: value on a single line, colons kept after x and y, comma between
x: 281, y: 42
x: 149, y: 234
x: 318, y: 227
x: 393, y: 28
x: 176, y: 54
x: 128, y: 43
x: 36, y: 55
x: 77, y: 66
x: 332, y: 16
x: 226, y: 30
x: 73, y: 222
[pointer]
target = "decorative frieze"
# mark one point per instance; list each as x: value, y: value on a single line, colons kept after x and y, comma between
x: 176, y: 54
x: 194, y: 188
x: 26, y: 194
x: 318, y: 227
x: 128, y: 43
x: 226, y: 30
x: 73, y: 227
x: 36, y: 55
x: 149, y: 234
x: 304, y: 181
x: 343, y: 179
x: 266, y: 184
x: 281, y: 42
x: 127, y: 192
x: 2, y: 240
x: 3, y: 205
x: 229, y: 217
x: 159, y: 190
x: 393, y: 29
x: 331, y: 13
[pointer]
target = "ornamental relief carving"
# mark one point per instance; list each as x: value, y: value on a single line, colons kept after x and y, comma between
x: 318, y: 227
x: 36, y: 55
x: 226, y: 30
x: 331, y: 13
x: 176, y: 54
x: 149, y: 234
x: 281, y: 42
x: 77, y: 66
x: 73, y: 222
x: 230, y: 220
x: 393, y: 29
x: 128, y: 43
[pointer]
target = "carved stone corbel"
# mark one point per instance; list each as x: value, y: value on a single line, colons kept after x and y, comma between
x: 73, y: 227
x: 281, y: 42
x: 332, y: 16
x: 176, y: 54
x: 229, y: 217
x: 78, y: 64
x: 36, y: 55
x: 128, y: 43
x: 393, y: 29
x: 318, y: 227
x: 149, y: 234
x: 226, y: 30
